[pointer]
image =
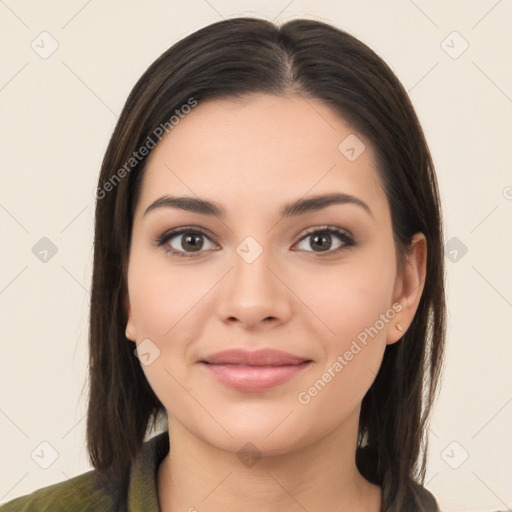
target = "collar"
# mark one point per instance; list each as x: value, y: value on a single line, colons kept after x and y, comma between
x: 142, y: 490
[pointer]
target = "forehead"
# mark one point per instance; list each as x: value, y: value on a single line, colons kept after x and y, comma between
x: 262, y: 149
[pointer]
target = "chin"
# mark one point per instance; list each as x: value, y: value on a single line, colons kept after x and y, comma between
x: 261, y: 440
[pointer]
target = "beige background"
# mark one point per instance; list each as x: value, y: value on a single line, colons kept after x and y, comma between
x: 57, y: 115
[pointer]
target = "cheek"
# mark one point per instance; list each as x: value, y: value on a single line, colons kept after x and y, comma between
x: 356, y: 314
x: 169, y: 307
x: 348, y: 298
x: 164, y: 296
x: 352, y: 314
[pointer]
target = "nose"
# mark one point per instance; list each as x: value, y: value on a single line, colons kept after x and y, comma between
x: 254, y: 293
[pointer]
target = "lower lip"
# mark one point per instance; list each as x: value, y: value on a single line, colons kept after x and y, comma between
x: 254, y: 378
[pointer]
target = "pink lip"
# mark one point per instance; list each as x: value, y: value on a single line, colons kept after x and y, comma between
x: 262, y: 357
x: 254, y: 371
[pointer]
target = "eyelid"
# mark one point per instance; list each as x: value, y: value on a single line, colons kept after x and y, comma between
x: 326, y: 228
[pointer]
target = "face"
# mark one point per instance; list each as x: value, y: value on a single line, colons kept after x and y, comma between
x: 254, y: 279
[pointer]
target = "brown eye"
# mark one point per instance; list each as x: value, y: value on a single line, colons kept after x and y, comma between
x: 189, y: 242
x: 192, y: 242
x: 184, y: 242
x: 322, y: 240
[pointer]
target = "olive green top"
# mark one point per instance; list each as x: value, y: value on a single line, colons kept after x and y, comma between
x: 138, y: 493
x: 82, y: 493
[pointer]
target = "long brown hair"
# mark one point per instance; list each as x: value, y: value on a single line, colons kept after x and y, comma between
x: 311, y: 59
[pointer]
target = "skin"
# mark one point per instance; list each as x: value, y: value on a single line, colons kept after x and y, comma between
x: 252, y: 157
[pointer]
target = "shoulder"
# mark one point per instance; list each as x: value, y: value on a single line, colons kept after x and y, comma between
x: 79, y: 494
x: 90, y: 492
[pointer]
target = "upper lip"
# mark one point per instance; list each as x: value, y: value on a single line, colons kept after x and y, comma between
x: 262, y: 357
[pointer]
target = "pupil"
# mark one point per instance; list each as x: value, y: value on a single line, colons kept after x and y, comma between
x: 324, y: 237
x: 193, y: 245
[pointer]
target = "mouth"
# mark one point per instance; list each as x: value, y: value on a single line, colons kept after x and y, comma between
x: 255, y: 371
x: 262, y: 357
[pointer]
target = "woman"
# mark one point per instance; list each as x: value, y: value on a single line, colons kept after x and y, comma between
x: 268, y: 276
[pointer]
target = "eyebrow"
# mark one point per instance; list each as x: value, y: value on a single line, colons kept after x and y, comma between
x: 292, y: 209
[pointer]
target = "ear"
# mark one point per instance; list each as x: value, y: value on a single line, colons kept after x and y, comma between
x: 130, y: 332
x: 409, y: 287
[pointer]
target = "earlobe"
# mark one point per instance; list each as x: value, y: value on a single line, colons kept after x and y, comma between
x: 130, y: 332
x: 410, y: 287
x: 395, y: 333
x: 129, y: 336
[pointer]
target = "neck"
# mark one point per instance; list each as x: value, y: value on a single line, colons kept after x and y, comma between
x: 321, y: 476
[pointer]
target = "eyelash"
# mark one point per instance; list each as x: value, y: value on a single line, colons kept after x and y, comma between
x: 162, y: 240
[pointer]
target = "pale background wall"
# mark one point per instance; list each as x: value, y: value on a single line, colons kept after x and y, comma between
x: 57, y: 115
